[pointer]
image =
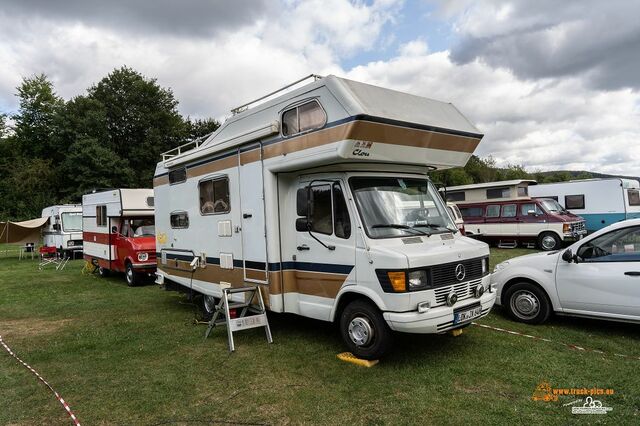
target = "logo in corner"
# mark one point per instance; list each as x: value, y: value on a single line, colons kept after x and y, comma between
x: 543, y: 393
x: 591, y: 406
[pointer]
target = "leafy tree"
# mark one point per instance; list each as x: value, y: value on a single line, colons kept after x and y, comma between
x: 142, y: 120
x: 200, y: 127
x: 34, y: 120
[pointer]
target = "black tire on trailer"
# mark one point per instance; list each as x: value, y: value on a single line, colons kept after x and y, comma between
x: 364, y: 331
x: 526, y: 302
x: 207, y: 305
x: 131, y: 276
x: 549, y: 241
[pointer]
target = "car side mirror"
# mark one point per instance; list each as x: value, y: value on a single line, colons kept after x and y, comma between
x: 568, y: 256
x: 531, y: 212
x: 114, y: 229
x: 302, y: 224
x: 302, y: 201
x: 56, y: 226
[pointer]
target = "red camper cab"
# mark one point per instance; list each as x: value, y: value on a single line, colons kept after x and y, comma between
x: 503, y: 213
x: 119, y: 232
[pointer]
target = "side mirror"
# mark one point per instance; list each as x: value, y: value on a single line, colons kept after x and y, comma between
x: 56, y: 226
x: 114, y: 229
x: 531, y: 212
x: 568, y: 256
x: 302, y: 224
x: 302, y: 201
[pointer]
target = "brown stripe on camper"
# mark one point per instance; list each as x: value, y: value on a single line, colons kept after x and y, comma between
x: 160, y: 180
x: 254, y: 274
x: 319, y: 284
x: 355, y: 130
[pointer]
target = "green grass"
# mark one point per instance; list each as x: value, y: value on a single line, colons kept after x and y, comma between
x: 123, y: 355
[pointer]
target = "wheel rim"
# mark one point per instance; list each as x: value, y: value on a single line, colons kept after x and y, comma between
x: 209, y: 303
x: 548, y: 242
x: 360, y: 331
x: 129, y: 275
x: 525, y: 305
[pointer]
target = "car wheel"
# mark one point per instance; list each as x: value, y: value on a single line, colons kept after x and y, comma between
x: 207, y: 306
x: 364, y: 331
x: 527, y: 303
x: 103, y: 272
x: 549, y: 241
x: 131, y: 276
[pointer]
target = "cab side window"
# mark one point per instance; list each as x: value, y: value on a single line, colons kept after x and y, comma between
x: 526, y: 208
x: 621, y: 245
x: 329, y: 214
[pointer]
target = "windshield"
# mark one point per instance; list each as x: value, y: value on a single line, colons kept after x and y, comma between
x: 552, y: 206
x: 398, y: 207
x: 138, y: 228
x: 72, y: 221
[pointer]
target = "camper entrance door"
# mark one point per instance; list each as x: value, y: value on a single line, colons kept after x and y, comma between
x: 253, y: 230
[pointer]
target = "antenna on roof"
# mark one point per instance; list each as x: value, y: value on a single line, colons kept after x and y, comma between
x: 244, y: 107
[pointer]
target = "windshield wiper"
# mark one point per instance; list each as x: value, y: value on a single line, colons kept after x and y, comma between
x: 434, y: 226
x: 399, y: 226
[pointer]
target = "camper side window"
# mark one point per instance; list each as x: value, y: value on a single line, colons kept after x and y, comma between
x: 307, y: 116
x: 456, y: 196
x: 177, y: 176
x: 179, y: 220
x: 493, y: 211
x: 498, y: 193
x: 101, y: 215
x: 214, y: 196
x: 574, y: 201
x: 634, y: 197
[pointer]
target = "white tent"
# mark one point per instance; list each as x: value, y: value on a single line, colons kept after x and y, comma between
x: 28, y: 231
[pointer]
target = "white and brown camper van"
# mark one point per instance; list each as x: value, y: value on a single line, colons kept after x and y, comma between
x: 321, y: 197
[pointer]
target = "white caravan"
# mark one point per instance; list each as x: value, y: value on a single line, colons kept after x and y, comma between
x: 600, y: 202
x: 119, y: 235
x: 321, y: 197
x: 64, y: 228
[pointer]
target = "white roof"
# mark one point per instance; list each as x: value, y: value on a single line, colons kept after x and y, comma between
x: 492, y: 184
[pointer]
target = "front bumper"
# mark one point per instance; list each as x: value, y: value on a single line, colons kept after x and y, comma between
x: 145, y: 266
x: 439, y: 319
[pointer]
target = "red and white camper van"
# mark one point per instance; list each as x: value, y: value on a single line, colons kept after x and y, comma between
x: 119, y: 232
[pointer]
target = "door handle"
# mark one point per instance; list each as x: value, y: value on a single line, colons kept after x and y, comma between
x: 633, y: 273
x: 246, y: 215
x: 303, y: 247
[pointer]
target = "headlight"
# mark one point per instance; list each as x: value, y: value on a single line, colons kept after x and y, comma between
x: 143, y: 257
x: 69, y: 243
x: 501, y: 266
x: 417, y: 280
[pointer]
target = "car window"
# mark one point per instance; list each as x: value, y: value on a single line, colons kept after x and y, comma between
x: 526, y: 208
x: 509, y: 210
x: 493, y: 211
x: 621, y: 245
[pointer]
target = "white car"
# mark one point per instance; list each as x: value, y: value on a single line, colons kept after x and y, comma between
x: 597, y: 277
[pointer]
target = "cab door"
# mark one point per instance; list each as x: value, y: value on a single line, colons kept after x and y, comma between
x: 324, y: 250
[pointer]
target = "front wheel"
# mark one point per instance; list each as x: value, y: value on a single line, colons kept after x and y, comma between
x: 131, y: 276
x: 364, y: 331
x: 549, y: 241
x: 526, y: 302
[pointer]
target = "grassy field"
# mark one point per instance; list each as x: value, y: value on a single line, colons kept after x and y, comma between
x: 121, y: 355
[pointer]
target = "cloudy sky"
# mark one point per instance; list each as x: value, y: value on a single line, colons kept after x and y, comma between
x: 552, y: 84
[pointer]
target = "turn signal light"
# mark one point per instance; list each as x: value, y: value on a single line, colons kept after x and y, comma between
x: 397, y: 280
x: 566, y: 228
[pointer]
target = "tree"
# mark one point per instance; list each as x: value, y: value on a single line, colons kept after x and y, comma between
x: 142, y: 120
x: 34, y: 120
x: 200, y: 127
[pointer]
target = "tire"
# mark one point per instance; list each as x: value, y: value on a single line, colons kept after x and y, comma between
x: 549, y: 241
x: 207, y: 306
x: 527, y: 303
x: 364, y: 331
x: 103, y: 272
x: 131, y: 276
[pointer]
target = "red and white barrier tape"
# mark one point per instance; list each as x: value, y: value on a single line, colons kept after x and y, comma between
x: 567, y: 345
x: 58, y: 397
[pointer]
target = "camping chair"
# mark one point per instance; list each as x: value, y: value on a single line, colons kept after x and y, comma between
x: 26, y: 249
x: 50, y: 256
